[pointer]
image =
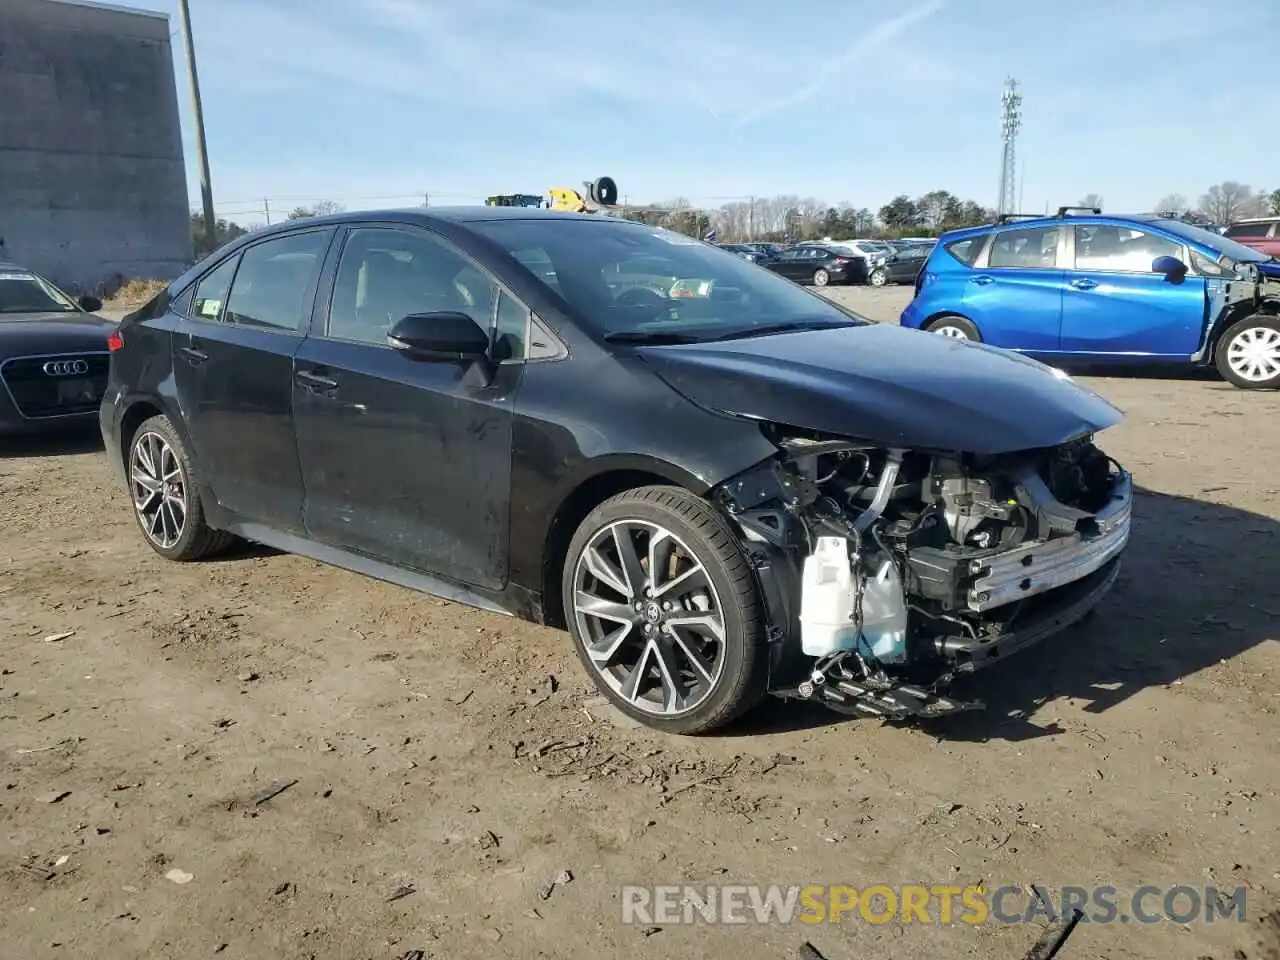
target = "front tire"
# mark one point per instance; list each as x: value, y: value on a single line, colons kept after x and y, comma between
x: 166, y: 500
x: 664, y: 611
x: 821, y: 278
x: 878, y: 278
x: 1248, y: 354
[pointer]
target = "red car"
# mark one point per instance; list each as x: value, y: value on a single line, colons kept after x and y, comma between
x: 1261, y: 233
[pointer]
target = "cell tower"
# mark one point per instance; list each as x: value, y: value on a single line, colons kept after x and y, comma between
x: 1010, y: 124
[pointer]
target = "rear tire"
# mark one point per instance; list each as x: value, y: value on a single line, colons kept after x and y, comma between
x: 821, y: 278
x: 955, y: 327
x: 1248, y: 355
x: 664, y: 611
x: 166, y: 496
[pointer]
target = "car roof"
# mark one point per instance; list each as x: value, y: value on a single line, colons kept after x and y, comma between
x: 10, y: 267
x: 1254, y: 220
x: 1051, y: 219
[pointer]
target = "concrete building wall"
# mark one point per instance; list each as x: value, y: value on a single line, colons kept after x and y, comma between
x: 92, y: 180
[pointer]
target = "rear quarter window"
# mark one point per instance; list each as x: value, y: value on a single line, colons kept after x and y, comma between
x: 966, y: 250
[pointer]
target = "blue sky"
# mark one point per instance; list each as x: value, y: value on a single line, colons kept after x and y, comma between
x: 376, y: 102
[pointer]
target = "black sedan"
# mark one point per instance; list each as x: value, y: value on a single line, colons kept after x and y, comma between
x: 53, y: 354
x: 720, y: 484
x: 901, y: 266
x: 819, y: 266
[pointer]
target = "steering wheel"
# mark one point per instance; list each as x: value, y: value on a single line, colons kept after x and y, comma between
x: 640, y: 297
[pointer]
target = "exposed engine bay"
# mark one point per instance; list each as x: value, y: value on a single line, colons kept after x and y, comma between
x: 935, y: 564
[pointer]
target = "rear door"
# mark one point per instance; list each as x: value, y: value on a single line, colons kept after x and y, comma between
x: 233, y: 370
x: 1014, y: 293
x: 1115, y: 305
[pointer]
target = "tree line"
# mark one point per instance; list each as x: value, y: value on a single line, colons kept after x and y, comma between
x: 788, y: 217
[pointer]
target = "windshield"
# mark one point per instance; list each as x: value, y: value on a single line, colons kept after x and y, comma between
x: 27, y: 293
x: 627, y: 281
x: 1214, y: 241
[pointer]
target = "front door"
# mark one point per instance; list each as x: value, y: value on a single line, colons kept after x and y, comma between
x: 408, y: 461
x: 1015, y: 298
x: 1114, y: 304
x: 233, y: 370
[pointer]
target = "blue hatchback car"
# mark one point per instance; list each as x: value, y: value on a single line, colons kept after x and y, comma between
x: 1094, y: 288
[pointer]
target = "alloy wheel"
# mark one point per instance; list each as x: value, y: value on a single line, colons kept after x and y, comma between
x: 159, y: 489
x: 821, y: 278
x: 878, y: 278
x: 649, y: 617
x: 947, y: 330
x: 1254, y: 354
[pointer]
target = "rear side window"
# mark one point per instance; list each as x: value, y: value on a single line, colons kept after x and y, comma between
x: 1030, y: 249
x: 966, y: 250
x: 1248, y: 230
x: 276, y: 279
x: 212, y: 290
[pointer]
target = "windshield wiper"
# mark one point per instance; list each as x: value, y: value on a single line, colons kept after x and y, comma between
x: 793, y: 326
x: 651, y: 337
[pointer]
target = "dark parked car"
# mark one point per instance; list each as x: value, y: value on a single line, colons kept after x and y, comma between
x: 721, y: 485
x: 819, y: 266
x: 901, y: 266
x: 746, y: 251
x: 53, y: 354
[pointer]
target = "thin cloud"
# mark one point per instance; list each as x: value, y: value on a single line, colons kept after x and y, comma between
x: 884, y: 32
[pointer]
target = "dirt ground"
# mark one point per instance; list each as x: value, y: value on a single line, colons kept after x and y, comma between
x: 262, y: 757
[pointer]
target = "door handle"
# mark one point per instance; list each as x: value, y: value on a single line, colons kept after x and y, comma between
x: 314, y: 382
x: 982, y: 281
x: 1083, y: 284
x: 193, y: 355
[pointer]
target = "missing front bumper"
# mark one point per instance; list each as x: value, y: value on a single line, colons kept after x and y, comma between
x: 1068, y: 606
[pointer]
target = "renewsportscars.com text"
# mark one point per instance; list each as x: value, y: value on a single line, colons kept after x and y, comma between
x: 934, y: 904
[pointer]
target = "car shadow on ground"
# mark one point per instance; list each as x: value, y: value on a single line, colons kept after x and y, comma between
x: 61, y: 444
x: 1197, y: 587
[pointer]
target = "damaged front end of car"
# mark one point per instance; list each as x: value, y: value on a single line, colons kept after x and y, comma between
x: 888, y: 571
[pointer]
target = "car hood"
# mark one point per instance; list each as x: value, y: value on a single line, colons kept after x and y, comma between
x: 888, y: 385
x: 22, y: 334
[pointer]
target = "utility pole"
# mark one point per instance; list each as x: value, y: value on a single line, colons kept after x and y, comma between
x: 266, y: 207
x: 202, y: 148
x: 751, y: 220
x: 426, y: 199
x: 1010, y: 124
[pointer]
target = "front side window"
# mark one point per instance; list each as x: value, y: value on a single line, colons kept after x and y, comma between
x: 1030, y: 249
x: 1103, y: 247
x: 212, y: 290
x: 510, y: 329
x: 26, y: 293
x: 389, y: 273
x: 627, y: 281
x: 275, y: 282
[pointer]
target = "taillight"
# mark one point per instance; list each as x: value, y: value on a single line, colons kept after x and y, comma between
x: 115, y: 341
x: 840, y: 260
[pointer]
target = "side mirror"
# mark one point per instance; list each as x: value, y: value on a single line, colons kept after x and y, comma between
x: 90, y: 304
x: 1171, y: 267
x: 444, y: 337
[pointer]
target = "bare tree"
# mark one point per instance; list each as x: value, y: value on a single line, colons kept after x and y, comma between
x: 322, y: 208
x: 1224, y: 202
x: 1092, y: 200
x: 1174, y: 203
